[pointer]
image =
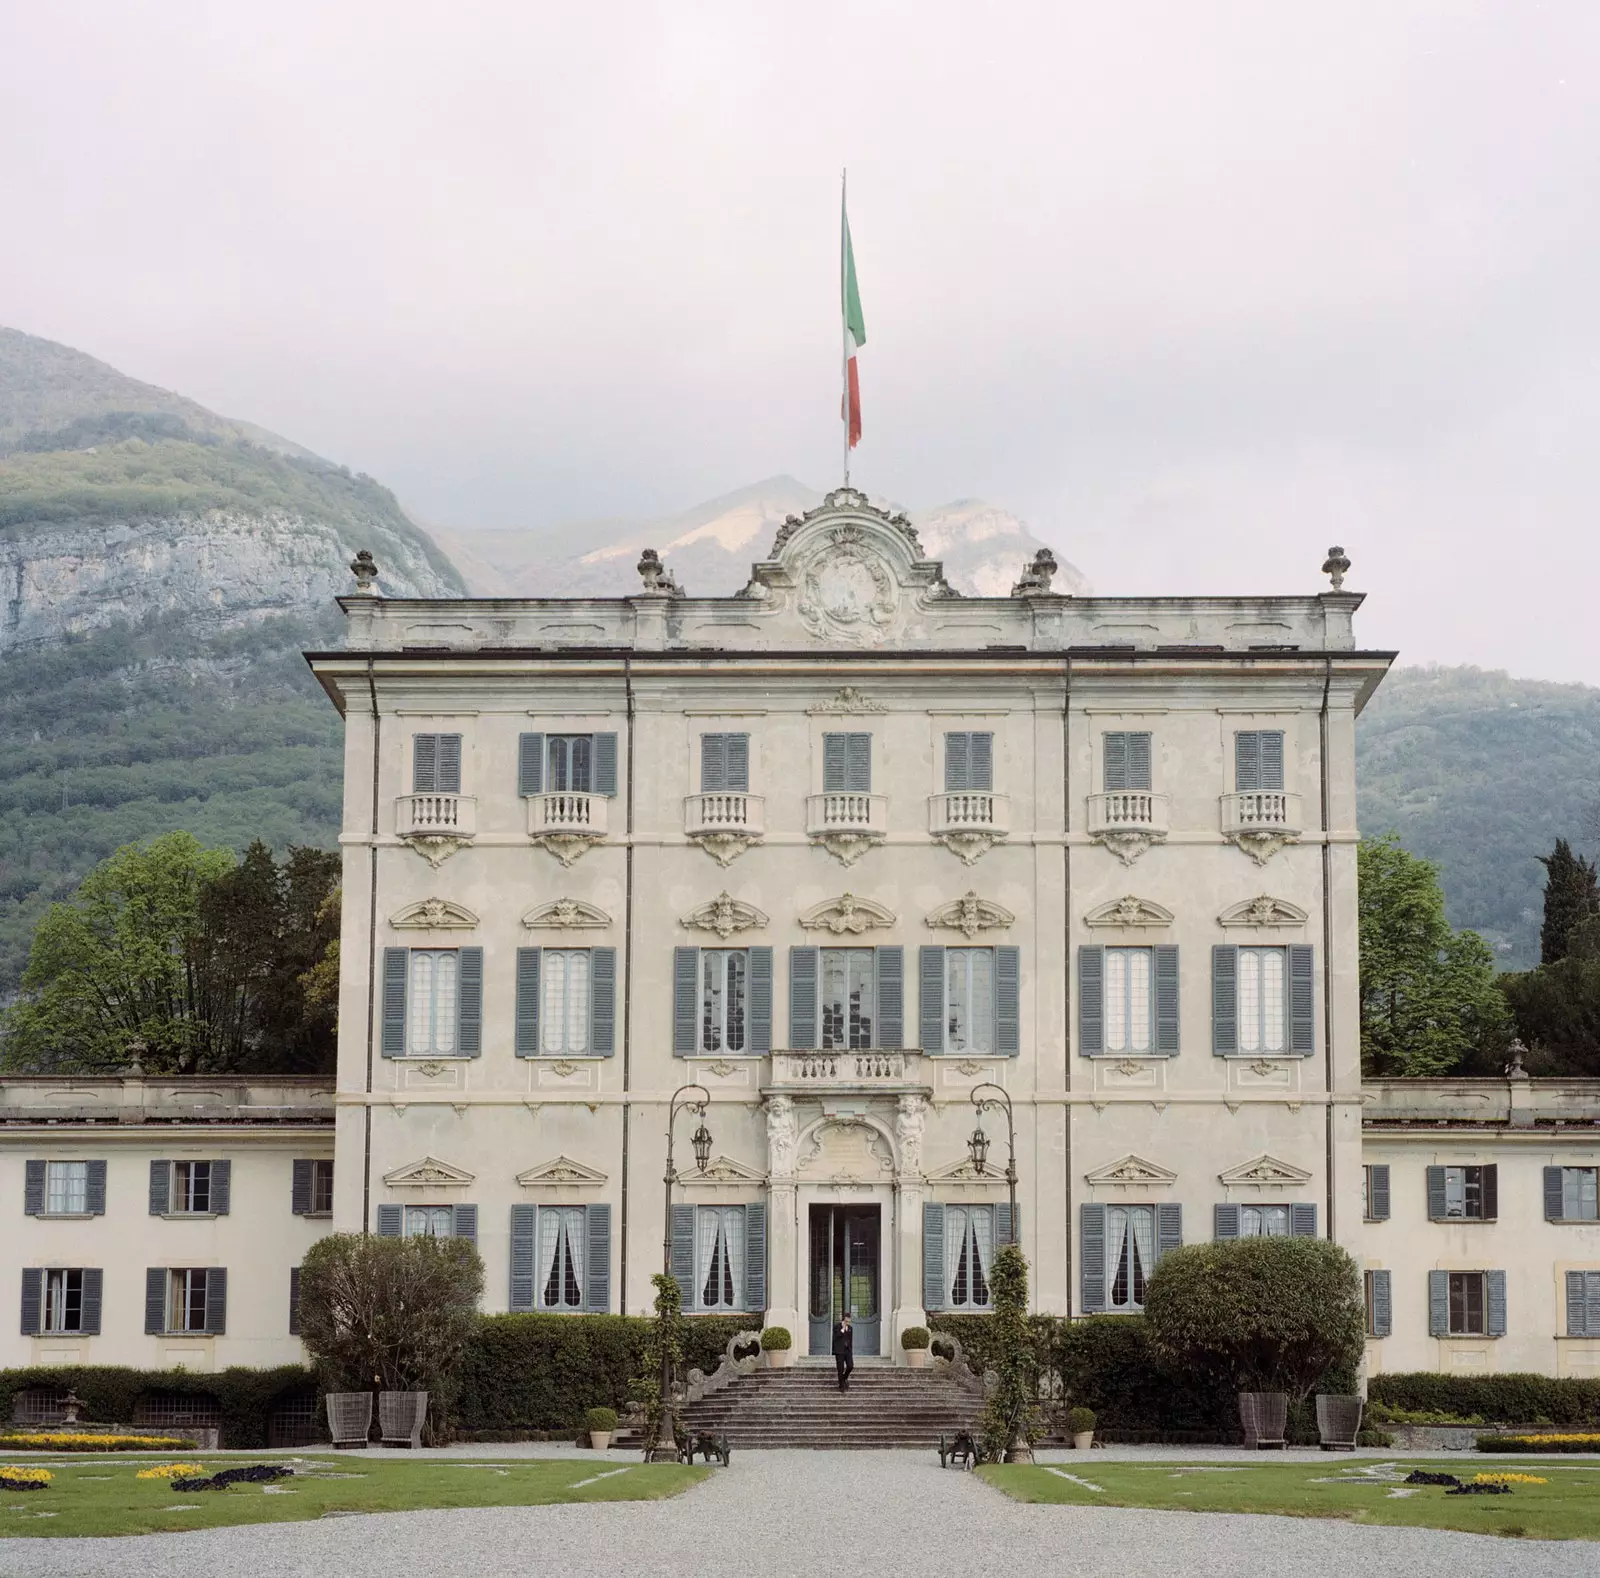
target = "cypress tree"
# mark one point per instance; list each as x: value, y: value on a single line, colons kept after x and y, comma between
x: 1571, y: 896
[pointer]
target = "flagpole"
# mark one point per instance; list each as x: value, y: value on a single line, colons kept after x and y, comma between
x: 844, y: 318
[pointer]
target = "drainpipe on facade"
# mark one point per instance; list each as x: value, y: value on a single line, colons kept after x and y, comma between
x: 627, y: 999
x: 372, y: 956
x: 1327, y: 945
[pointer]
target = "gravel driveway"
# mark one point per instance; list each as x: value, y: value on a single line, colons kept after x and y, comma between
x: 798, y: 1515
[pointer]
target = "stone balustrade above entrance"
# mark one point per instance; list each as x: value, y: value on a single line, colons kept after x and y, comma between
x: 888, y: 1072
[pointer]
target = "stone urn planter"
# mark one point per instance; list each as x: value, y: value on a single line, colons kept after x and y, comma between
x: 1264, y: 1416
x: 349, y: 1418
x: 777, y: 1347
x: 401, y: 1416
x: 1080, y: 1426
x: 601, y: 1423
x: 917, y: 1358
x: 1338, y: 1421
x: 914, y: 1341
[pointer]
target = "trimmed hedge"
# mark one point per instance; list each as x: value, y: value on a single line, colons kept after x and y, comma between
x: 1513, y: 1399
x: 1553, y: 1443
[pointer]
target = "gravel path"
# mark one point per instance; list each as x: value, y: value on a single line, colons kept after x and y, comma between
x: 798, y: 1514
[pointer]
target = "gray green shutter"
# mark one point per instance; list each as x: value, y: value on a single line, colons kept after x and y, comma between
x: 216, y: 1301
x: 1555, y: 1202
x: 527, y: 1011
x: 1115, y: 752
x: 1382, y: 1304
x: 1169, y: 1229
x: 1378, y: 1192
x: 294, y: 1301
x: 1225, y: 1221
x: 685, y: 1001
x: 424, y: 763
x: 755, y: 1255
x: 603, y: 1001
x: 1591, y: 1302
x: 449, y: 764
x: 930, y: 999
x: 1302, y: 998
x: 1271, y: 759
x: 469, y: 1003
x: 833, y: 763
x: 1166, y: 993
x: 33, y: 1189
x: 1303, y: 1221
x: 739, y: 763
x: 300, y: 1188
x: 94, y: 1282
x: 858, y: 763
x: 464, y: 1223
x: 760, y: 962
x: 395, y: 962
x: 160, y: 1188
x: 530, y: 764
x: 932, y: 1256
x: 1008, y: 1001
x: 803, y: 963
x: 957, y: 761
x: 1438, y: 1303
x: 1436, y: 1204
x: 1007, y: 1225
x: 891, y: 972
x: 388, y: 1221
x: 155, y: 1299
x: 1577, y: 1305
x: 1494, y: 1303
x: 97, y: 1188
x: 981, y: 761
x: 221, y: 1187
x: 1246, y: 761
x: 682, y: 1259
x: 1091, y: 1000
x: 32, y: 1300
x: 597, y: 1267
x: 605, y: 764
x: 1092, y: 1257
x: 524, y: 1224
x: 1138, y: 761
x: 1489, y: 1191
x: 713, y: 763
x: 1224, y: 999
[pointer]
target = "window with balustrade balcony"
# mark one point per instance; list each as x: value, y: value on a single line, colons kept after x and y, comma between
x: 968, y: 816
x: 1127, y: 816
x: 724, y: 817
x: 847, y: 817
x: 568, y: 781
x: 436, y: 809
x: 1260, y: 815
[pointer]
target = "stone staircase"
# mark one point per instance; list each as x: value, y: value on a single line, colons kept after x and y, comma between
x: 886, y: 1406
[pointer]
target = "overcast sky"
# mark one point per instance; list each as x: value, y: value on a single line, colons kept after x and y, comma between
x: 1195, y: 288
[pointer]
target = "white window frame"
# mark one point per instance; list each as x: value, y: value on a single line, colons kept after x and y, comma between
x: 724, y: 1001
x: 1257, y: 1030
x: 1458, y: 1193
x: 1121, y: 1019
x: 187, y: 1287
x: 59, y: 1297
x: 571, y: 1220
x: 563, y: 766
x: 320, y: 1170
x: 188, y: 1184
x: 1127, y: 1256
x: 978, y: 1034
x: 428, y: 1033
x: 71, y: 1198
x: 1482, y: 1279
x: 852, y: 1029
x: 565, y: 1002
x: 1265, y: 1221
x: 428, y: 1221
x: 727, y: 1223
x: 964, y: 1237
x: 1573, y: 1192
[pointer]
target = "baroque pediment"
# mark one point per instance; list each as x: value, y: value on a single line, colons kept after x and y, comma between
x: 1264, y: 910
x: 560, y: 1172
x: 969, y: 915
x: 433, y: 915
x: 1129, y: 910
x: 429, y: 1173
x: 1132, y: 1171
x: 964, y: 1171
x: 723, y: 1170
x: 847, y: 916
x: 725, y: 915
x: 1266, y: 1171
x: 565, y: 915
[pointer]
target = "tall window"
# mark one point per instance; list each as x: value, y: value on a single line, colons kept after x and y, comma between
x: 969, y: 999
x: 1463, y: 1193
x: 719, y: 1257
x: 186, y: 1303
x: 1257, y: 760
x: 969, y: 1253
x: 1129, y: 993
x: 564, y: 1011
x: 724, y: 763
x: 322, y: 1187
x: 67, y: 1189
x: 969, y: 760
x: 560, y: 1268
x: 849, y: 990
x: 431, y: 1002
x: 1130, y: 1254
x: 1579, y: 1200
x: 63, y: 1301
x: 191, y: 1186
x: 1467, y: 1304
x: 1262, y: 1011
x: 1263, y: 1221
x: 436, y: 764
x: 429, y: 1221
x: 724, y: 982
x: 847, y: 763
x: 1126, y: 761
x: 569, y: 763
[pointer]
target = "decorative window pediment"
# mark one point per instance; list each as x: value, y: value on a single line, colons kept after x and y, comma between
x: 725, y: 915
x: 429, y: 1173
x: 850, y: 702
x: 969, y: 915
x: 433, y: 915
x: 964, y: 1171
x: 1264, y: 910
x: 1132, y: 1172
x: 1266, y: 1171
x: 847, y: 915
x: 724, y: 1170
x: 560, y: 1172
x: 1129, y: 910
x: 566, y: 915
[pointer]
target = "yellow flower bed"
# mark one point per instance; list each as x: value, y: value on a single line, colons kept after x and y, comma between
x: 173, y: 1471
x: 32, y: 1476
x: 1572, y: 1441
x: 1508, y: 1479
x: 62, y: 1441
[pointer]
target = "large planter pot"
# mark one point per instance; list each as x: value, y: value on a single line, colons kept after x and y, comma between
x: 1338, y: 1421
x: 400, y: 1417
x: 917, y: 1358
x: 1264, y: 1416
x: 1082, y: 1440
x: 349, y: 1418
x: 600, y: 1440
x: 779, y: 1358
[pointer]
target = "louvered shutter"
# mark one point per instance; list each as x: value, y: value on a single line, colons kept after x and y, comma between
x: 605, y: 764
x: 1438, y: 1303
x: 833, y: 763
x: 96, y: 1194
x: 858, y: 763
x: 32, y: 1300
x: 1577, y: 1312
x: 216, y: 1301
x: 530, y: 764
x: 760, y: 963
x: 1138, y: 761
x: 1378, y: 1192
x: 1169, y: 1229
x: 160, y: 1188
x: 424, y: 763
x: 755, y: 1255
x: 1495, y: 1303
x: 1091, y: 1000
x: 1092, y: 1257
x: 1116, y: 762
x: 930, y: 999
x: 603, y: 1001
x: 957, y: 761
x: 300, y: 1188
x: 388, y: 1221
x: 1224, y: 999
x: 33, y: 1189
x: 802, y: 998
x: 449, y: 764
x: 597, y: 1271
x: 1555, y: 1200
x: 1382, y: 1304
x: 1246, y: 762
x: 464, y: 1223
x: 1436, y: 1202
x: 981, y: 761
x: 221, y: 1187
x: 395, y: 964
x: 527, y: 1010
x: 294, y: 1301
x: 469, y: 1003
x: 1225, y: 1221
x: 1303, y: 1221
x: 524, y: 1235
x: 713, y: 763
x: 1302, y: 999
x: 94, y: 1282
x: 155, y: 1299
x: 1166, y: 993
x: 683, y: 1255
x: 1008, y: 1001
x: 739, y: 763
x: 1007, y: 1225
x: 891, y: 972
x: 1489, y: 1192
x: 932, y: 1256
x: 1591, y: 1302
x: 685, y: 1001
x: 1271, y: 759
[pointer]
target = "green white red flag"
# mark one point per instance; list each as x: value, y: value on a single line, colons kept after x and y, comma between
x: 855, y: 332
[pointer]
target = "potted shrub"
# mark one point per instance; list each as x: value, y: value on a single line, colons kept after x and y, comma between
x: 914, y: 1342
x: 602, y: 1423
x: 778, y: 1346
x: 1080, y: 1426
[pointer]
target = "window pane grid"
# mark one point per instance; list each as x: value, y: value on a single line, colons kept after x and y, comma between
x: 67, y: 1188
x: 322, y: 1186
x: 429, y: 1221
x: 1578, y: 1194
x: 1264, y: 1221
x: 561, y: 1257
x: 432, y: 1006
x: 1466, y: 1304
x: 969, y: 999
x: 63, y: 1301
x: 848, y: 998
x: 724, y: 976
x: 564, y: 1012
x: 1127, y: 999
x: 1261, y: 1000
x: 1130, y: 1253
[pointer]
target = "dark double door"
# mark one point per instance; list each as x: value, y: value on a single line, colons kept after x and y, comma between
x: 844, y: 1263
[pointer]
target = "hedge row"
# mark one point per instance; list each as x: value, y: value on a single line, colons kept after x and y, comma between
x: 1513, y: 1399
x: 1556, y: 1443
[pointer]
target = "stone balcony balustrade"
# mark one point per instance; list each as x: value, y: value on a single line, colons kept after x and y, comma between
x: 886, y: 1072
x: 847, y: 823
x: 1261, y: 821
x: 969, y: 821
x: 1128, y: 821
x: 436, y: 825
x: 725, y: 822
x: 568, y: 822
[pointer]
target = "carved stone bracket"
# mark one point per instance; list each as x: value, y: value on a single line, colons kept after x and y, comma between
x: 848, y: 848
x: 1127, y: 844
x: 436, y: 848
x: 970, y: 844
x: 566, y: 847
x: 847, y: 916
x: 1259, y: 846
x: 565, y: 915
x: 969, y: 915
x: 725, y: 915
x: 1264, y: 910
x: 724, y: 847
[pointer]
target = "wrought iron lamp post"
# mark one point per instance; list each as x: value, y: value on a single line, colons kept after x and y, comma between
x: 978, y: 1145
x: 695, y: 1098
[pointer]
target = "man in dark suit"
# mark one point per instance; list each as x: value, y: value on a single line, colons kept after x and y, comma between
x: 844, y: 1352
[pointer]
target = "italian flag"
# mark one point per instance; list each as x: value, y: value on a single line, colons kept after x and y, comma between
x: 855, y: 331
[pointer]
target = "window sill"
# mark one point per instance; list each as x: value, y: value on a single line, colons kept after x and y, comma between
x: 1112, y: 1057
x: 189, y: 1216
x: 186, y: 1336
x: 67, y: 1216
x: 315, y: 1216
x: 1263, y: 1057
x: 1465, y: 1221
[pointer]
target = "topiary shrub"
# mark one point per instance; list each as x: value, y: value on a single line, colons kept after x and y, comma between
x: 915, y: 1337
x: 776, y: 1339
x: 1080, y: 1421
x: 600, y: 1419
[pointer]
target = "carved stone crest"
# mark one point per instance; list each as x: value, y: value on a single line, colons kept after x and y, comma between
x: 433, y: 915
x: 725, y: 915
x: 847, y: 916
x: 565, y: 915
x: 848, y: 702
x: 847, y: 591
x: 1263, y: 910
x: 1129, y: 911
x: 969, y: 915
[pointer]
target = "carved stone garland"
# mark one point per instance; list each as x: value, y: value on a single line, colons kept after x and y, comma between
x: 725, y: 915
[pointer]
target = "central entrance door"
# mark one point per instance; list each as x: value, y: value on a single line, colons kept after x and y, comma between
x: 844, y: 1275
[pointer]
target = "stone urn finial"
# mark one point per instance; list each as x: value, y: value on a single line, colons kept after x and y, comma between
x: 1335, y: 566
x: 70, y: 1404
x: 1036, y: 577
x: 365, y: 569
x: 1514, y: 1069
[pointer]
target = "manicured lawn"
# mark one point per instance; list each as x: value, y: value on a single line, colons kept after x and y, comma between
x: 1567, y: 1508
x: 104, y: 1496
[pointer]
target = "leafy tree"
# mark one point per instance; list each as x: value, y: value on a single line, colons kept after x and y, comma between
x: 1557, y: 1012
x: 1258, y: 1314
x: 1571, y: 898
x: 1011, y: 1417
x: 1429, y: 1000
